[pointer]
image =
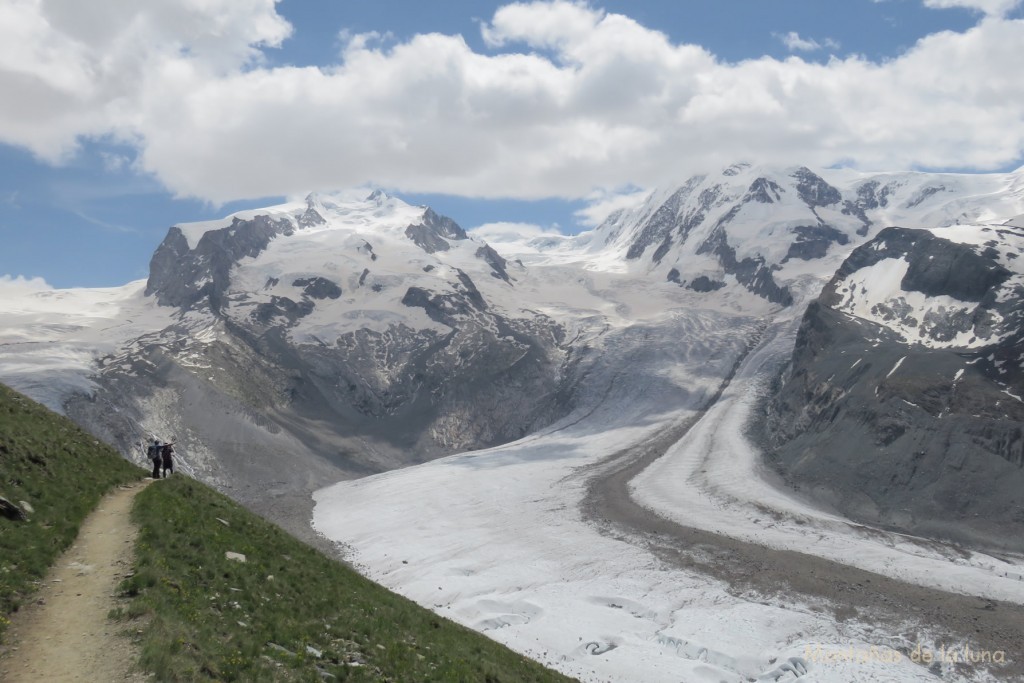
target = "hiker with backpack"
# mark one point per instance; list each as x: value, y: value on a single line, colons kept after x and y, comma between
x: 167, y: 457
x: 155, y: 455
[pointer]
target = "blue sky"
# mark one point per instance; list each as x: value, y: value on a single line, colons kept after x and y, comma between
x: 114, y: 127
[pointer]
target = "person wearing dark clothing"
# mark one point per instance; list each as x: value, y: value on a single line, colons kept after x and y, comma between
x: 167, y: 457
x: 154, y: 455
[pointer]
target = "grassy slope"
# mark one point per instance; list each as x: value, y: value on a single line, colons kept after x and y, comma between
x: 62, y: 472
x: 219, y: 619
x: 204, y: 617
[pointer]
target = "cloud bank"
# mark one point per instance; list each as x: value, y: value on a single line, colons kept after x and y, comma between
x: 13, y: 286
x: 502, y: 232
x: 568, y: 98
x: 994, y: 7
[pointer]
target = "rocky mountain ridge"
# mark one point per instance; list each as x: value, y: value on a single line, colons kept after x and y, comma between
x: 329, y: 336
x: 762, y: 227
x: 334, y: 337
x: 902, y: 405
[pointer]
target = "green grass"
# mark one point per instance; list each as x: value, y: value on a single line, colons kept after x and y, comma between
x: 205, y: 617
x: 62, y: 472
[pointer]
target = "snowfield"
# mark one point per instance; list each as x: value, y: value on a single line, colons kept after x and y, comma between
x: 51, y: 339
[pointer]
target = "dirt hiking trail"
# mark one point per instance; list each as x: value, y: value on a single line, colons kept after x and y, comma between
x: 64, y: 633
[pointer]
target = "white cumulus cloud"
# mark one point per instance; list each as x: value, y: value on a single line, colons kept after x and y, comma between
x: 512, y: 239
x: 19, y: 284
x: 70, y: 69
x: 505, y: 231
x: 603, y: 203
x: 795, y: 43
x: 995, y: 7
x: 569, y: 98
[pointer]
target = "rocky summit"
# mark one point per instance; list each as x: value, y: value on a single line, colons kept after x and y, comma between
x: 902, y: 405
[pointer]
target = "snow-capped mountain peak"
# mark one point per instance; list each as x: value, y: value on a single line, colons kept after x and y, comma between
x: 764, y: 228
x: 330, y: 236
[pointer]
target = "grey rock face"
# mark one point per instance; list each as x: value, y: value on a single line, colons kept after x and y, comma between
x: 813, y: 241
x: 752, y: 272
x: 872, y: 195
x: 183, y: 277
x: 929, y: 441
x: 311, y: 218
x: 942, y: 268
x: 321, y: 287
x: 367, y: 248
x: 665, y: 223
x: 447, y: 308
x: 701, y: 283
x: 439, y: 307
x: 764, y: 191
x: 433, y: 233
x: 814, y: 190
x: 443, y: 226
x: 937, y: 266
x: 495, y: 261
x: 426, y: 239
x: 854, y: 209
x: 282, y: 306
x: 925, y: 194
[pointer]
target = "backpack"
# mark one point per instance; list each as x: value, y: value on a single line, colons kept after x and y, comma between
x: 153, y: 452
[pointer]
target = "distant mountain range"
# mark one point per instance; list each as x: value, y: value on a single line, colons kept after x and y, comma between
x: 292, y: 346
